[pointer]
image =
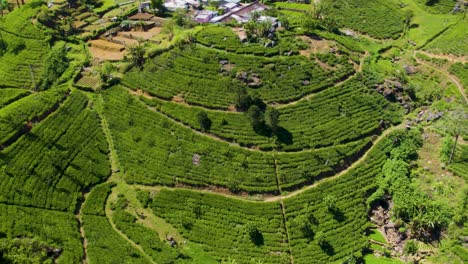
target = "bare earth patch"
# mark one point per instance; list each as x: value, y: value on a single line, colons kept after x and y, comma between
x: 145, y: 35
x: 104, y: 50
x: 316, y: 45
x: 103, y: 55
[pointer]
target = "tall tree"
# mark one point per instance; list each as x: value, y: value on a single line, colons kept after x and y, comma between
x: 137, y: 54
x: 158, y: 5
x: 256, y: 117
x: 272, y: 118
x: 204, y: 121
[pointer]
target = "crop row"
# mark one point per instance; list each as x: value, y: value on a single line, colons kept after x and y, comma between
x: 155, y: 150
x: 22, y: 64
x: 106, y: 245
x: 220, y: 223
x: 203, y: 76
x: 335, y: 116
x: 57, y: 229
x: 96, y: 201
x: 343, y: 222
x: 14, y: 116
x: 379, y: 19
x: 8, y: 96
x: 159, y: 251
x: 49, y: 166
x: 224, y: 38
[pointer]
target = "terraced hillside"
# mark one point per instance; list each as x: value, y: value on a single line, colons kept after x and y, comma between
x: 241, y: 142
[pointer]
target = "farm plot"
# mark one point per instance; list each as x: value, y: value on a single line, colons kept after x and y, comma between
x: 221, y: 225
x: 159, y: 251
x: 224, y: 38
x: 214, y: 79
x: 102, y: 50
x: 21, y: 63
x: 106, y: 245
x: 8, y: 96
x: 453, y: 41
x: 327, y: 223
x: 49, y: 166
x: 15, y: 116
x: 147, y: 142
x: 57, y: 229
x: 337, y: 115
x: 251, y: 231
x: 379, y: 19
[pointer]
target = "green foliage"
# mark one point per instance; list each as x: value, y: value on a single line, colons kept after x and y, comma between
x: 315, y: 123
x: 136, y: 130
x: 272, y: 118
x: 460, y: 70
x: 410, y: 204
x: 23, y: 250
x: 15, y: 116
x: 410, y: 247
x: 224, y: 38
x: 108, y: 248
x: 49, y: 166
x: 454, y: 41
x: 226, y: 224
x: 144, y: 198
x: 200, y: 75
x: 255, y: 235
x: 379, y: 19
x: 148, y: 239
x: 447, y: 145
x: 204, y: 121
x: 96, y: 201
x: 137, y: 54
x: 8, y: 96
x: 56, y: 229
x: 256, y: 117
x: 56, y: 63
x: 24, y: 48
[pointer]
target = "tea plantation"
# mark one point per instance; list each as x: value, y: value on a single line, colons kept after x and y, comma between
x: 279, y: 132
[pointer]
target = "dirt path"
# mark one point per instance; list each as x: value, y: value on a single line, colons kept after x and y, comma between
x: 253, y: 147
x: 114, y: 177
x: 78, y: 215
x: 450, y: 76
x: 451, y: 58
x: 354, y: 165
x: 134, y: 245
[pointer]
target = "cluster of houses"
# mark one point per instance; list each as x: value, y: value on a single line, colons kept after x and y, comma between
x: 227, y: 11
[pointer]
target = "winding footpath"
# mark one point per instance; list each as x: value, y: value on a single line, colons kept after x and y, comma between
x: 450, y: 76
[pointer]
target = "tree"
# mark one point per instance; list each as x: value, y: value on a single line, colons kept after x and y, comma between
x: 272, y: 118
x: 255, y: 235
x: 204, y: 121
x: 330, y: 202
x: 105, y: 71
x: 159, y: 5
x: 243, y: 99
x: 168, y: 28
x: 137, y: 54
x: 56, y: 63
x: 410, y: 248
x: 458, y: 125
x: 320, y: 238
x: 256, y: 117
x: 409, y: 14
